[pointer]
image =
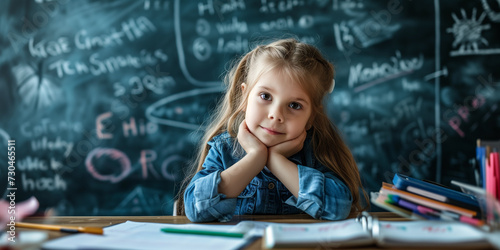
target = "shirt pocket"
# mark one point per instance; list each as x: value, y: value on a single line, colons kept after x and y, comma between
x: 250, y: 189
x: 247, y: 198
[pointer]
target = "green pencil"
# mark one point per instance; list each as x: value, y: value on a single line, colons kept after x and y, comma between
x: 202, y: 232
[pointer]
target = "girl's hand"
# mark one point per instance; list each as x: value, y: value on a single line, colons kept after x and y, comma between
x: 290, y: 147
x: 249, y: 142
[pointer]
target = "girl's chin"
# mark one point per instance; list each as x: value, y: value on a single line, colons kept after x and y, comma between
x: 270, y: 144
x: 266, y: 140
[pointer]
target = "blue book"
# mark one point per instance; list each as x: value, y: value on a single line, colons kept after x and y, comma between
x: 436, y: 192
x: 481, y: 160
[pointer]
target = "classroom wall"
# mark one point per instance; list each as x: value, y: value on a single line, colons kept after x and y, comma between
x: 106, y: 99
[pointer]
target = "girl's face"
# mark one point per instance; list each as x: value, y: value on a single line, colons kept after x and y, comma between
x: 278, y: 109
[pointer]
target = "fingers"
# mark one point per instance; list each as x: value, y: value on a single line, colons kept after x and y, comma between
x: 248, y: 141
x: 244, y: 133
x: 243, y: 125
x: 290, y: 147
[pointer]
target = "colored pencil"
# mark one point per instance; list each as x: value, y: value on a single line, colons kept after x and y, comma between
x: 202, y: 232
x: 66, y: 229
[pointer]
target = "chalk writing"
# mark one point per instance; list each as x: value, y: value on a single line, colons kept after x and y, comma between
x: 51, y: 145
x: 131, y: 30
x: 347, y: 5
x: 47, y: 126
x: 137, y: 85
x: 220, y: 8
x: 45, y: 49
x: 278, y: 24
x: 37, y: 183
x: 275, y: 6
x: 119, y: 166
x: 111, y: 154
x: 234, y: 26
x: 379, y: 73
x: 97, y: 65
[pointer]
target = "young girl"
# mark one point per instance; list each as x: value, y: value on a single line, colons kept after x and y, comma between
x: 271, y: 148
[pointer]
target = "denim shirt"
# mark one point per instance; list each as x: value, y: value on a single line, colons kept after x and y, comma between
x: 321, y: 193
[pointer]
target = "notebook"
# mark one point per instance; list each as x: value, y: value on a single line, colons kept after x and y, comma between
x: 366, y: 230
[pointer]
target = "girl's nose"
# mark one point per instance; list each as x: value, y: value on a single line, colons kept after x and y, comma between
x: 276, y: 114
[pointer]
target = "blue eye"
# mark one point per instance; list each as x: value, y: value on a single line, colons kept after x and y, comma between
x: 265, y: 96
x: 295, y: 105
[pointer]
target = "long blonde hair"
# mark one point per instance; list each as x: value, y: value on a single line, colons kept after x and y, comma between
x: 315, y: 75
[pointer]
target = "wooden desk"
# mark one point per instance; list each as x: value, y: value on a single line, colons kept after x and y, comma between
x: 104, y: 221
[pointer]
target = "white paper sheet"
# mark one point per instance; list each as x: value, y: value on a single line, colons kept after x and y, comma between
x: 144, y: 235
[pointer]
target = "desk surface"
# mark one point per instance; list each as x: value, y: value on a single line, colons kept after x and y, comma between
x: 104, y: 221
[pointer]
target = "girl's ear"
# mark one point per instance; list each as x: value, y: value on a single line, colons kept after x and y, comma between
x: 243, y: 92
x: 310, y: 122
x: 308, y: 125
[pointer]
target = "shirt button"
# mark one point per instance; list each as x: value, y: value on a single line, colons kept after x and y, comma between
x: 270, y: 185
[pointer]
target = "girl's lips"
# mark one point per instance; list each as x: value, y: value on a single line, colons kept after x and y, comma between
x: 272, y: 132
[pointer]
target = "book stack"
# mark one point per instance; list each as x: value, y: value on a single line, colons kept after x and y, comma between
x: 417, y: 199
x: 446, y: 218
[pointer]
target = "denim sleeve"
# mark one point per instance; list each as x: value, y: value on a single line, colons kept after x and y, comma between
x: 202, y: 202
x: 322, y: 195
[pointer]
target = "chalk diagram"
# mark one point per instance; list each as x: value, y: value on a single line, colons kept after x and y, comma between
x: 36, y: 92
x: 182, y: 109
x: 467, y: 34
x: 136, y: 202
x: 177, y: 110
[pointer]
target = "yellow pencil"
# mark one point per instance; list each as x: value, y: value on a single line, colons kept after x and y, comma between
x: 66, y: 229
